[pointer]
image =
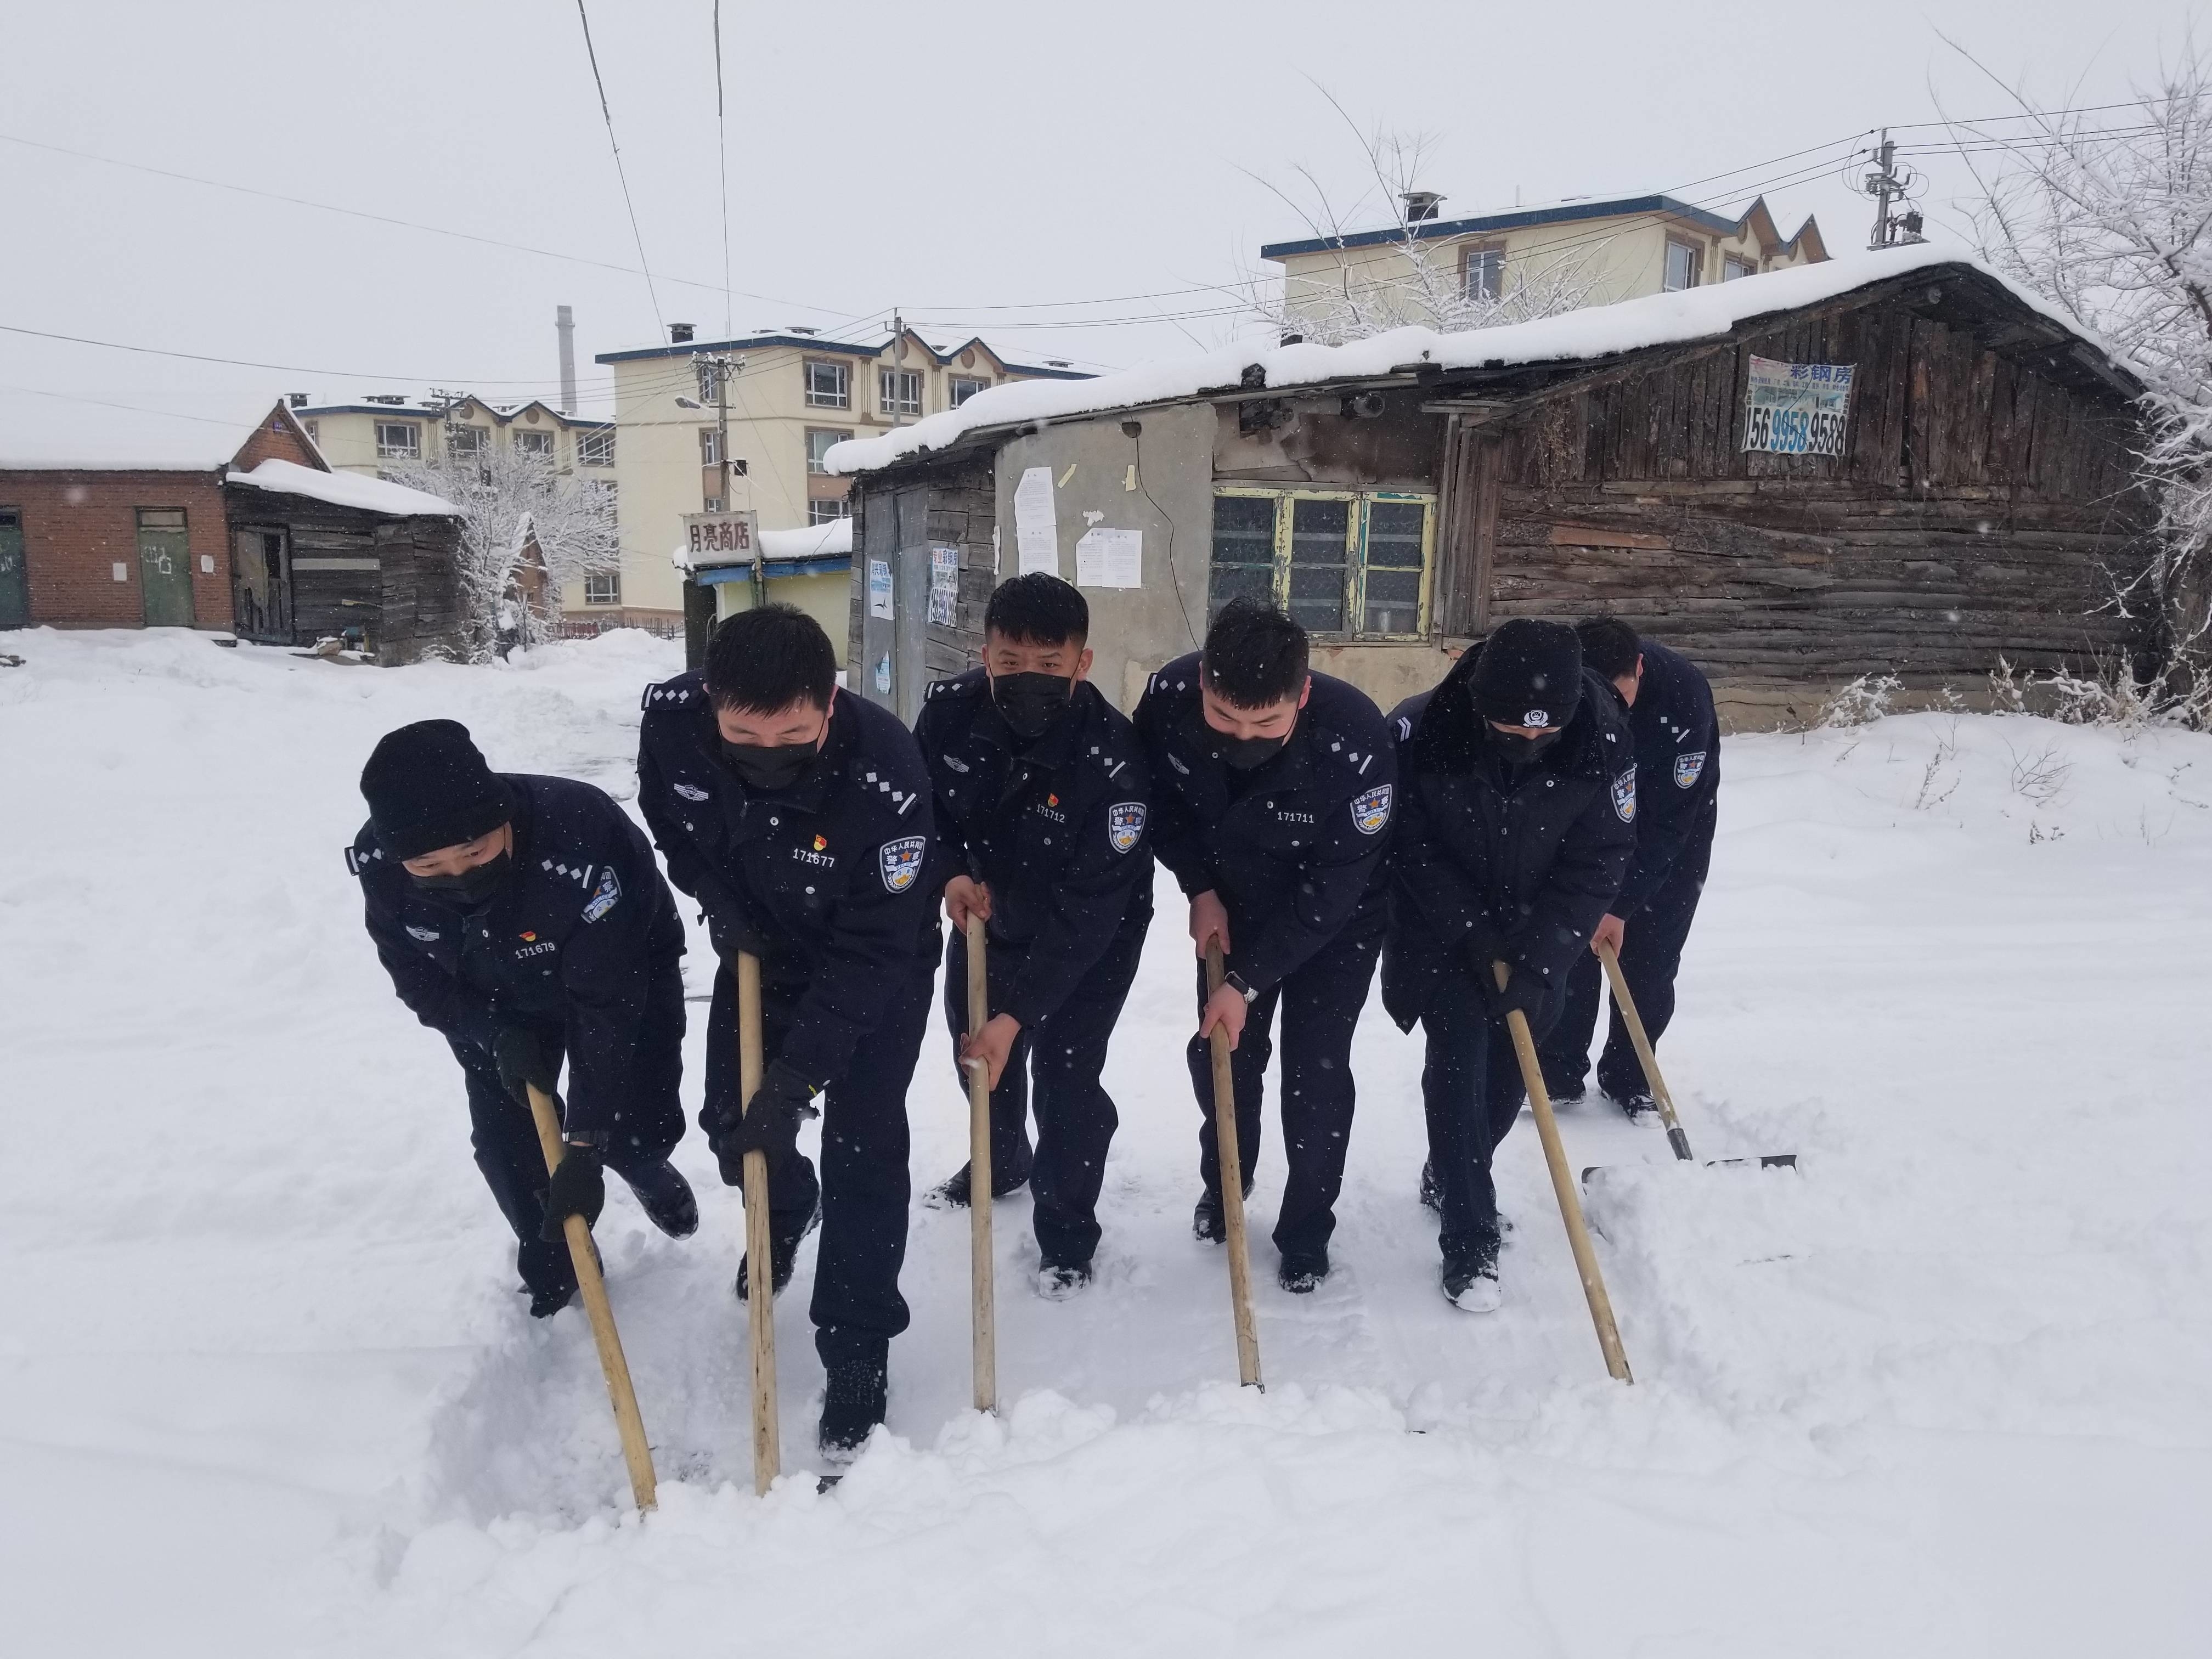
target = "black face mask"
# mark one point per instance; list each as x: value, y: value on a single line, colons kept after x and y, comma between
x: 770, y: 769
x: 1247, y: 753
x: 1517, y: 751
x: 1030, y: 702
x: 471, y: 887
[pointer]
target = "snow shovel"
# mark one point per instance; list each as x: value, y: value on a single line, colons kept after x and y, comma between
x: 1232, y: 1188
x: 1562, y: 1188
x: 760, y: 1245
x: 985, y: 1330
x: 593, y: 1285
x: 1644, y: 1052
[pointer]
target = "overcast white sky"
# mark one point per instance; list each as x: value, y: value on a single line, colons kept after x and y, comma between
x: 977, y: 165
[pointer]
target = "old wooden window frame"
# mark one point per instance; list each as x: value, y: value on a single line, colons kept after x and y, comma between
x: 838, y: 393
x: 1356, y: 549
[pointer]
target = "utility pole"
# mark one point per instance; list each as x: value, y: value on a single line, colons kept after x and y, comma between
x: 724, y: 368
x: 1885, y: 183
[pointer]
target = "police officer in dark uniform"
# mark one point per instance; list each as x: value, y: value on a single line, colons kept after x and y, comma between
x: 1518, y: 794
x: 799, y: 816
x: 523, y: 919
x: 1272, y: 792
x: 1678, y: 772
x: 1041, y: 796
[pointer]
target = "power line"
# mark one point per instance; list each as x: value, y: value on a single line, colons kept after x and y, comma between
x: 233, y: 423
x: 621, y: 176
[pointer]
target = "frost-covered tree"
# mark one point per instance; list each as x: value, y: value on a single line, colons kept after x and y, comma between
x: 2109, y: 213
x: 1410, y: 281
x: 520, y: 515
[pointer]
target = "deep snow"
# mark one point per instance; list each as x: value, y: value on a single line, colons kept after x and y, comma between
x: 266, y: 1390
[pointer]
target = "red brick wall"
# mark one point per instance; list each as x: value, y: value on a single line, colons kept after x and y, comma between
x: 272, y: 440
x: 77, y: 526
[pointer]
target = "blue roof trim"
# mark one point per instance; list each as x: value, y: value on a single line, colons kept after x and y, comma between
x: 1717, y: 223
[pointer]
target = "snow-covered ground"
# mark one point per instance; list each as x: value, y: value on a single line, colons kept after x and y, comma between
x: 264, y: 1389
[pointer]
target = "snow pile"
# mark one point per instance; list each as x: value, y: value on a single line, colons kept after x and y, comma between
x: 345, y: 490
x: 1695, y: 314
x: 1942, y: 1391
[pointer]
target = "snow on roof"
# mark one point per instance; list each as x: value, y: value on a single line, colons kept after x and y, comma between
x: 1695, y: 314
x: 833, y: 540
x: 345, y: 490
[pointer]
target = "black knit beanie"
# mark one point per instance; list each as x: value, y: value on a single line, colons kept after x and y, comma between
x: 427, y: 786
x: 1530, y: 673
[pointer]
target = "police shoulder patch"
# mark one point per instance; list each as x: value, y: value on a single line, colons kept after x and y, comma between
x: 605, y: 896
x: 1687, y: 769
x: 1623, y: 796
x: 901, y: 862
x: 1125, y: 824
x: 1371, y: 810
x: 357, y: 861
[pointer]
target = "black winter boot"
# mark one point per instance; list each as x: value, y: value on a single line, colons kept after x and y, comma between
x: 952, y: 1193
x: 1207, y: 1225
x: 852, y: 1404
x: 783, y: 1248
x: 666, y: 1198
x: 1302, y: 1273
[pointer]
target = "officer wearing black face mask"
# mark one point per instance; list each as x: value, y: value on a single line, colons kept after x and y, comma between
x: 1273, y: 803
x: 1041, y: 799
x: 524, y: 920
x: 1515, y: 831
x: 799, y: 816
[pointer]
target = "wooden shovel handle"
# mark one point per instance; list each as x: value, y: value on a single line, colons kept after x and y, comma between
x: 593, y: 1286
x: 760, y: 1240
x: 1232, y: 1187
x: 1644, y: 1052
x: 1562, y: 1188
x: 984, y: 1321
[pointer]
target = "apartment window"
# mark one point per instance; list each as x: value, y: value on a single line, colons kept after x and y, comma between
x: 1732, y: 267
x: 818, y: 439
x: 603, y: 588
x: 398, y: 440
x: 822, y: 511
x: 710, y: 446
x: 898, y: 391
x: 829, y: 385
x: 534, y: 443
x: 961, y: 387
x: 711, y: 504
x: 708, y: 371
x: 1482, y: 272
x: 1685, y: 262
x: 313, y: 430
x: 595, y: 448
x: 1340, y: 562
x: 466, y: 440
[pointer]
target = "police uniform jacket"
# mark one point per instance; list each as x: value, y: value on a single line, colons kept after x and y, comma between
x: 827, y: 874
x: 1295, y: 847
x: 1055, y: 828
x: 1490, y: 865
x: 577, y: 934
x: 1678, y: 771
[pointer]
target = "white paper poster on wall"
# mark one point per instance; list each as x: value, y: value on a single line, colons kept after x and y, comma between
x: 879, y: 588
x: 944, y: 584
x: 1110, y: 558
x: 1036, y: 532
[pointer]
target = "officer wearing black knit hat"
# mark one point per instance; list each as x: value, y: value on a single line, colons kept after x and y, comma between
x: 1516, y: 797
x: 523, y: 919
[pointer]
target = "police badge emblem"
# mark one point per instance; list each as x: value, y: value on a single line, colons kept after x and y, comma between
x: 1125, y: 822
x: 901, y: 862
x: 1687, y: 769
x: 1623, y: 796
x: 1371, y: 811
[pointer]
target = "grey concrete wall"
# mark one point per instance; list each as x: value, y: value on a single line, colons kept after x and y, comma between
x: 1159, y: 483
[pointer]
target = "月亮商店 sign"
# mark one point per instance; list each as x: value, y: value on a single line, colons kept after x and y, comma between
x: 1797, y: 409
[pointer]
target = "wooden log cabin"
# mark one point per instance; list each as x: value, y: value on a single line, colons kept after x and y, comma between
x: 1402, y: 495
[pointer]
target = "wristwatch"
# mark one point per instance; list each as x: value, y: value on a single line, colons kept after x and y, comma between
x: 1235, y: 982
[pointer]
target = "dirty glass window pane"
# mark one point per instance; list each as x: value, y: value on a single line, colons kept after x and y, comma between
x: 1394, y: 566
x: 1243, y: 550
x: 1318, y: 532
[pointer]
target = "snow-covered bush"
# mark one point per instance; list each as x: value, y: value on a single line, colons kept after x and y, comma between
x: 1861, y: 703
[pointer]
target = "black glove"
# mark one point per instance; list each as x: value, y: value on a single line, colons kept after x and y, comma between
x: 729, y: 932
x: 521, y: 1056
x: 577, y: 1188
x: 770, y: 1125
x: 1524, y: 991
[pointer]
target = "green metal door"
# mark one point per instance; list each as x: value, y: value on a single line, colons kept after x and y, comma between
x: 14, y: 576
x: 165, y: 567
